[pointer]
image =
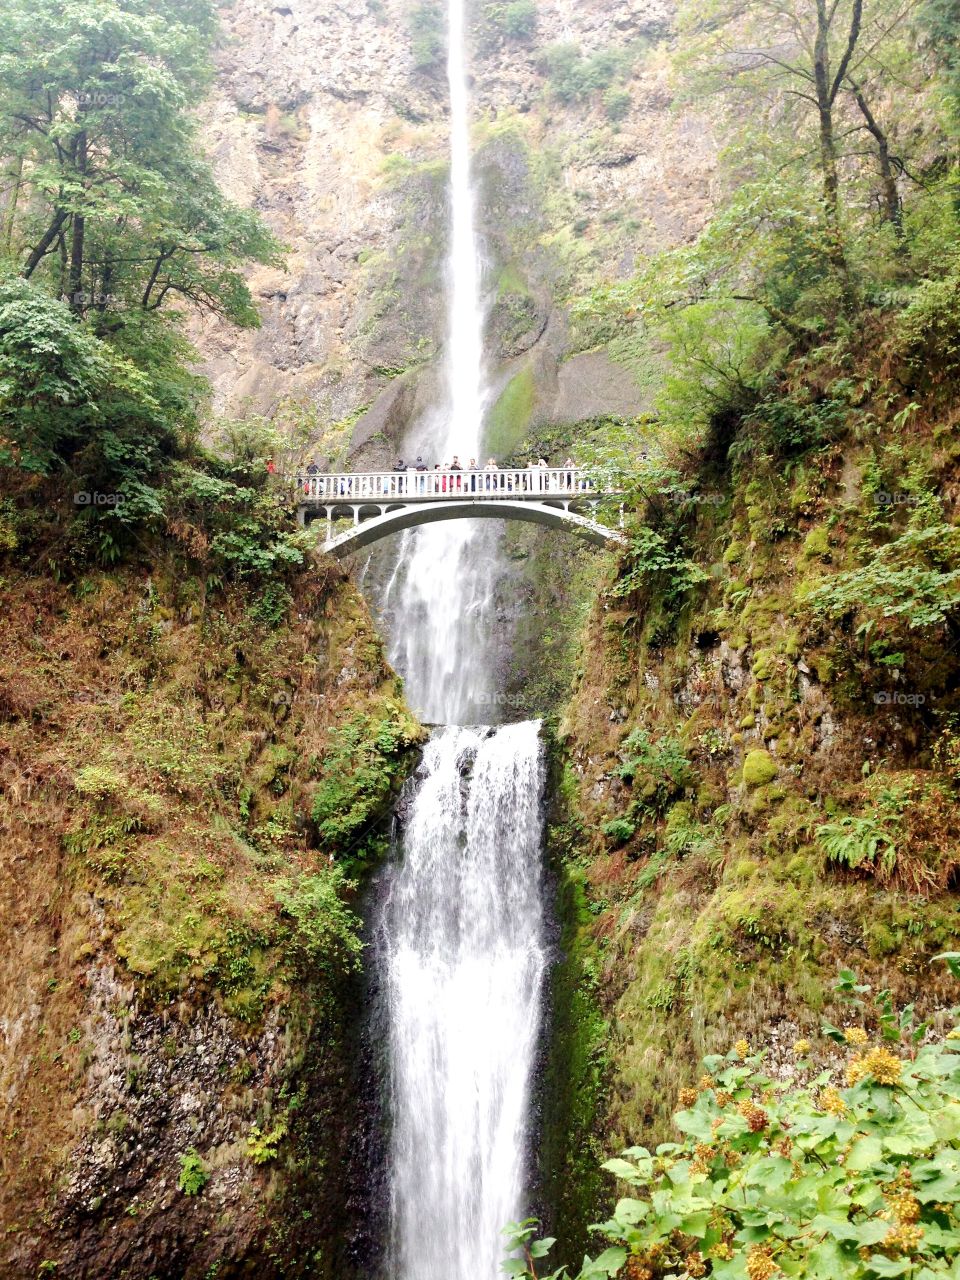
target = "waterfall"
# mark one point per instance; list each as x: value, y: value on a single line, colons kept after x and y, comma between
x: 442, y: 599
x: 463, y: 957
x: 460, y: 936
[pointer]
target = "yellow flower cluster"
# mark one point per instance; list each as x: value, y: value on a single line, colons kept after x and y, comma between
x: 695, y: 1265
x: 742, y: 1048
x: 856, y: 1036
x: 756, y: 1118
x: 723, y: 1098
x: 637, y: 1269
x: 905, y: 1207
x: 760, y: 1263
x: 721, y: 1251
x: 801, y: 1048
x: 687, y: 1097
x: 906, y: 1237
x: 884, y: 1066
x: 705, y: 1082
x: 831, y: 1102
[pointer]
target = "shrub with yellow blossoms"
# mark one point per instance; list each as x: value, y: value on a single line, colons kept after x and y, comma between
x: 852, y: 1173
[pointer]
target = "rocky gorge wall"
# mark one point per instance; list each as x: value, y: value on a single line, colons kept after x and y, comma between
x: 330, y: 120
x: 187, y: 1082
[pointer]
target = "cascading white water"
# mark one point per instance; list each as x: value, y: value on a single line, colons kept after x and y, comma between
x: 460, y: 932
x: 442, y: 598
x: 463, y: 955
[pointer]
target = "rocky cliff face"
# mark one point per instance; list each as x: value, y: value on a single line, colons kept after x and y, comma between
x: 186, y: 1077
x: 330, y: 119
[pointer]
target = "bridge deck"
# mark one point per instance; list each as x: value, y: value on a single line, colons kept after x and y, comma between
x: 384, y: 502
x: 522, y: 484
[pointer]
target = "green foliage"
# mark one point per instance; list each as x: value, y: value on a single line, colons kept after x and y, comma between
x: 97, y: 117
x: 575, y: 76
x: 860, y: 843
x: 65, y: 395
x: 194, y: 1174
x: 619, y: 830
x: 326, y: 933
x: 616, y: 103
x: 656, y: 563
x: 427, y: 35
x: 929, y: 326
x: 782, y: 427
x: 848, y: 1172
x: 264, y: 1147
x: 517, y: 20
x: 361, y: 764
x: 913, y: 580
x: 657, y: 769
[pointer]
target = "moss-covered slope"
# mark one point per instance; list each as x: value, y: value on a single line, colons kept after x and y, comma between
x: 759, y: 775
x: 189, y: 798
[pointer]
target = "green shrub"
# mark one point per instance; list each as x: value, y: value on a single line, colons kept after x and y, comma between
x: 616, y: 103
x: 427, y: 36
x: 516, y: 20
x: 194, y: 1175
x: 913, y: 579
x: 849, y: 1172
x: 929, y: 327
x: 860, y: 844
x: 658, y: 770
x: 574, y: 75
x: 619, y: 830
x: 325, y: 932
x: 359, y: 768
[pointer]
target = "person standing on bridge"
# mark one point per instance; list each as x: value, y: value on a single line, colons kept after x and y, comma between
x: 455, y: 466
x: 400, y: 483
x: 571, y: 466
x: 542, y: 467
x: 474, y: 470
x: 420, y: 466
x: 490, y: 480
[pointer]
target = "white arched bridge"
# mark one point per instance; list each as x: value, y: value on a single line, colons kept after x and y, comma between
x: 383, y: 502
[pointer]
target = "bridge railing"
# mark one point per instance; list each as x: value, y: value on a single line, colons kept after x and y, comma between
x: 565, y: 482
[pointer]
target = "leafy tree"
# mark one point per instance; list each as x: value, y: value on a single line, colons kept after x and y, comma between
x: 811, y: 75
x: 109, y: 199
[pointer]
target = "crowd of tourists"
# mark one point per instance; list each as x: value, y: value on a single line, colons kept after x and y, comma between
x: 479, y: 477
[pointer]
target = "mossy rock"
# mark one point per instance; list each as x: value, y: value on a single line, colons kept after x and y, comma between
x: 734, y: 553
x: 764, y: 664
x: 816, y: 545
x: 758, y: 768
x: 512, y: 412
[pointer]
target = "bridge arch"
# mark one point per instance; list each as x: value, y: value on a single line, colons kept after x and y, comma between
x: 394, y: 519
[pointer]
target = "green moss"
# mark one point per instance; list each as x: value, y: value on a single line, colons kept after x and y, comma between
x: 816, y: 545
x: 510, y: 416
x: 758, y: 768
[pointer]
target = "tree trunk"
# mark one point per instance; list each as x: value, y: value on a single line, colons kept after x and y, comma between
x: 75, y: 278
x: 828, y: 153
x: 46, y: 242
x: 892, y: 205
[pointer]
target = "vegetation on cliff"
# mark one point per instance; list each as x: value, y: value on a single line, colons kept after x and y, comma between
x: 761, y: 747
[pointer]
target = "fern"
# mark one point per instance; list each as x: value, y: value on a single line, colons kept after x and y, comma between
x: 859, y: 843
